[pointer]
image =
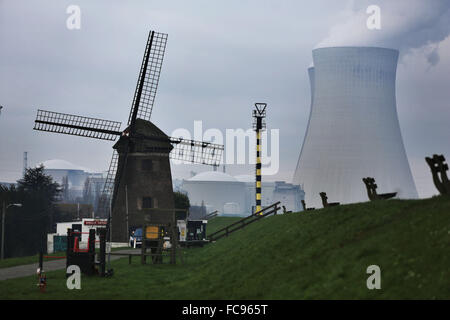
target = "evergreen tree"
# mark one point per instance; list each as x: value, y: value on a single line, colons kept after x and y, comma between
x: 181, y: 200
x: 26, y: 227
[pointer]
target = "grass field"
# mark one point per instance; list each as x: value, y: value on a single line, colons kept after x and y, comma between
x: 12, y: 262
x: 218, y: 223
x: 320, y: 254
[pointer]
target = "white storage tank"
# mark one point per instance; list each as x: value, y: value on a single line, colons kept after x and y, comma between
x: 231, y: 208
x: 215, y: 189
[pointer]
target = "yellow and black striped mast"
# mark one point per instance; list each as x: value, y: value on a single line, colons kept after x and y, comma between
x: 259, y: 125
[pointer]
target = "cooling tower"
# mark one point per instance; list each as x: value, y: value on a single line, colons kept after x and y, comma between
x: 353, y: 129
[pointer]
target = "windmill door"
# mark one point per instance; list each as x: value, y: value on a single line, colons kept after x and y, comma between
x: 59, y: 243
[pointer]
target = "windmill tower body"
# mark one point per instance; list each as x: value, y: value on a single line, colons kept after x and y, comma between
x: 353, y: 129
x: 146, y: 181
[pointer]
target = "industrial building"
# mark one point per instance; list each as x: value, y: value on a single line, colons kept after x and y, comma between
x: 236, y: 195
x: 58, y: 241
x: 75, y: 175
x: 82, y: 184
x: 353, y: 129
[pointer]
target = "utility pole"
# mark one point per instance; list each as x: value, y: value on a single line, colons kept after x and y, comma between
x: 4, y: 208
x: 110, y: 233
x: 25, y: 163
x: 259, y: 113
x: 3, y: 230
x: 126, y: 208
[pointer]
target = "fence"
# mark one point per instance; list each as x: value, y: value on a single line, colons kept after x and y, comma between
x: 224, y: 232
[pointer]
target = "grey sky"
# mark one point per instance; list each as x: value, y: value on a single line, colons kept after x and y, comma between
x: 221, y: 57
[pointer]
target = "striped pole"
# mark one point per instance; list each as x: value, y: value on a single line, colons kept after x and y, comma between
x: 258, y: 170
x: 259, y: 114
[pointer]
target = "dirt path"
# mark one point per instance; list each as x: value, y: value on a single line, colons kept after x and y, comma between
x: 30, y: 269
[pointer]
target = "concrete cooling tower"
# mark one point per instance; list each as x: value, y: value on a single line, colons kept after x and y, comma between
x: 353, y: 129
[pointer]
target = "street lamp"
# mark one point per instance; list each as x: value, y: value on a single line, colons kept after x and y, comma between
x: 5, y: 207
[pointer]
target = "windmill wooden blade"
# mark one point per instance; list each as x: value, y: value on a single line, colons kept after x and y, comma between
x: 196, y: 151
x: 77, y: 125
x: 108, y: 189
x: 147, y: 84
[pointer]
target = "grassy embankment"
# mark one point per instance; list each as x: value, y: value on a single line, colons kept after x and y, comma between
x: 320, y: 254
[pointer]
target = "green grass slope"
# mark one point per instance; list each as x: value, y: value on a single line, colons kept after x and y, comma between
x: 320, y: 254
x: 218, y: 223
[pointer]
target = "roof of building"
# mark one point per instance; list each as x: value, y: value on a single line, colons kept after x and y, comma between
x: 58, y: 164
x: 213, y: 176
x: 245, y: 178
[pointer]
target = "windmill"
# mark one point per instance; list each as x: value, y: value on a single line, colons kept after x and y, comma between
x: 139, y: 175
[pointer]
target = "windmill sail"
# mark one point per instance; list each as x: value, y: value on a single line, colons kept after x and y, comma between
x: 188, y: 151
x: 191, y: 151
x: 76, y: 125
x: 148, y: 80
x: 145, y: 93
x: 108, y: 188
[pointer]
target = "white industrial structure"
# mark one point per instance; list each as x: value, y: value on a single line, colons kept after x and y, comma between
x: 353, y: 129
x: 62, y: 169
x: 236, y: 195
x: 216, y: 190
x: 80, y: 180
x: 83, y: 226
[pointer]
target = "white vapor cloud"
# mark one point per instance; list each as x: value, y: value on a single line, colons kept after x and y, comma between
x: 405, y: 25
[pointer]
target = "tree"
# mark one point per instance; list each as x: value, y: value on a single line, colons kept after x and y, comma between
x: 9, y: 194
x: 181, y: 200
x: 36, y: 184
x: 26, y: 227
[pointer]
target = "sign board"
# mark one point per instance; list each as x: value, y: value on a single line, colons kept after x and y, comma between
x: 152, y: 232
x: 95, y: 222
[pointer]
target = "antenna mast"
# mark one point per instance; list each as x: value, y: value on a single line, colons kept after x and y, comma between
x: 259, y: 124
x: 25, y: 163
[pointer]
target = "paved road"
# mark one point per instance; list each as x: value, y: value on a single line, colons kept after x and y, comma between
x: 51, y: 265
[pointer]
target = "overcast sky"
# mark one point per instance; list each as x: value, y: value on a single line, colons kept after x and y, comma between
x: 221, y: 57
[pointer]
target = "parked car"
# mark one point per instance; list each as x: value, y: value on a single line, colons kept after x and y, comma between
x: 136, y: 238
